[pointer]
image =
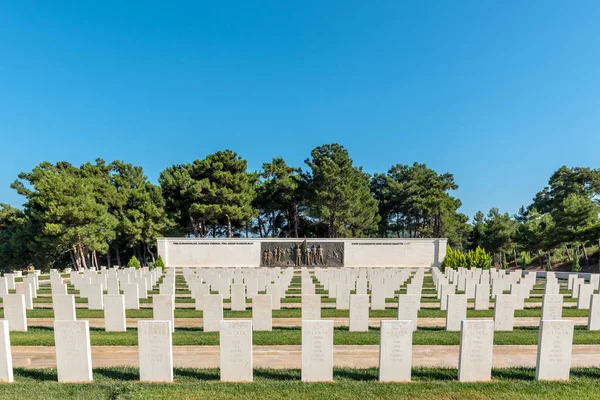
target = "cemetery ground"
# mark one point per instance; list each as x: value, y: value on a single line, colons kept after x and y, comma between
x: 119, y: 379
x: 349, y: 383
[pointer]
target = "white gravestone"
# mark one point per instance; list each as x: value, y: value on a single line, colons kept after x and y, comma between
x: 554, y: 350
x: 504, y: 313
x: 164, y: 308
x: 24, y: 288
x: 342, y: 299
x: 14, y: 312
x: 445, y: 290
x: 482, y: 296
x: 585, y: 294
x: 64, y: 307
x: 378, y: 296
x: 408, y: 308
x: 311, y: 307
x: 262, y: 312
x: 238, y: 297
x: 10, y: 281
x: 275, y: 291
x: 236, y: 351
x: 155, y: 351
x: 201, y: 290
x: 6, y: 367
x: 212, y: 315
x: 457, y: 311
x: 475, y: 350
x: 112, y: 286
x: 317, y: 351
x: 552, y: 305
x: 95, y: 297
x: 132, y: 299
x: 594, y: 314
x: 395, y: 351
x: 359, y: 312
x: 73, y: 351
x: 114, y: 313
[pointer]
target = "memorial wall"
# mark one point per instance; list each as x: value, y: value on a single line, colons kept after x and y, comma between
x: 278, y: 252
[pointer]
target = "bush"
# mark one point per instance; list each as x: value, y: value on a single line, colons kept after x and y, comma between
x: 133, y: 262
x: 454, y: 259
x: 478, y: 258
x: 504, y: 265
x: 159, y: 263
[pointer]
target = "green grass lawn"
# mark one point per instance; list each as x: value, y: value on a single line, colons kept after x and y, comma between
x: 427, y: 383
x: 297, y: 313
x: 44, y: 336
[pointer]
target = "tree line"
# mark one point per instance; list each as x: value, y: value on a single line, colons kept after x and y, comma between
x: 104, y: 213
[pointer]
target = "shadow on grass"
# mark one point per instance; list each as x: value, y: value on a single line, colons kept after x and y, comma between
x: 197, y: 374
x: 277, y: 374
x: 591, y: 373
x: 121, y: 374
x: 41, y: 375
x: 434, y: 374
x: 521, y: 374
x: 370, y: 374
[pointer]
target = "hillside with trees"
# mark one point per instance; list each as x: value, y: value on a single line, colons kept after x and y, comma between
x: 103, y: 213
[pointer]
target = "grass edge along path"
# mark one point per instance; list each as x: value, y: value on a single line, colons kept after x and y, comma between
x: 349, y: 383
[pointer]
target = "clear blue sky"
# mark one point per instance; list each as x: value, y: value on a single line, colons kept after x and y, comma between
x: 499, y: 93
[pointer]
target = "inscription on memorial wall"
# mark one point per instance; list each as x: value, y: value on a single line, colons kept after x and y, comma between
x: 302, y: 253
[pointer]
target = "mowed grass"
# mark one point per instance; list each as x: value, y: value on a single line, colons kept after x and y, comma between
x: 427, y: 383
x: 47, y: 312
x: 44, y: 336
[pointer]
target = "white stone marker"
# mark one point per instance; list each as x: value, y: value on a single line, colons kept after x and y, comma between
x: 594, y: 314
x: 212, y: 314
x: 155, y: 351
x: 14, y: 312
x: 238, y: 297
x: 132, y: 299
x: 395, y: 351
x: 262, y: 312
x: 112, y: 286
x: 10, y: 281
x: 552, y: 305
x: 554, y: 350
x: 342, y: 298
x: 445, y: 290
x: 482, y: 296
x: 359, y: 312
x: 275, y: 291
x: 235, y: 346
x: 311, y: 307
x: 64, y: 307
x: 378, y: 296
x: 201, y: 290
x: 585, y: 294
x: 475, y: 350
x: 24, y: 288
x: 457, y: 311
x: 73, y: 351
x: 408, y: 308
x: 114, y: 313
x: 163, y: 306
x: 95, y: 302
x: 504, y: 312
x: 317, y: 351
x: 3, y: 286
x: 6, y: 367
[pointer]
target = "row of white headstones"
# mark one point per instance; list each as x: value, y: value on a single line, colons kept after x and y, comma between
x: 74, y: 361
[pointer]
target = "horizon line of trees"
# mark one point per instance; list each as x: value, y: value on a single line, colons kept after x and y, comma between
x: 104, y: 213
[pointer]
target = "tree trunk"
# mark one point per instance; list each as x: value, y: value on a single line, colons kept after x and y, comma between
x: 247, y: 229
x: 108, y: 263
x: 539, y: 252
x: 82, y: 255
x: 118, y: 255
x: 568, y: 255
x: 587, y: 260
x: 96, y: 259
x: 194, y: 225
x: 144, y: 255
x: 259, y: 226
x: 296, y: 220
x: 75, y: 258
x: 228, y: 225
x: 550, y: 258
x: 151, y: 253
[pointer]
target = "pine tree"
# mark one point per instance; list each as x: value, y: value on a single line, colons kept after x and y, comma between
x: 133, y: 262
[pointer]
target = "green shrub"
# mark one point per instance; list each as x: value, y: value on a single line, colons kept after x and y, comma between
x: 159, y: 263
x: 504, y: 265
x: 454, y: 259
x: 133, y: 262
